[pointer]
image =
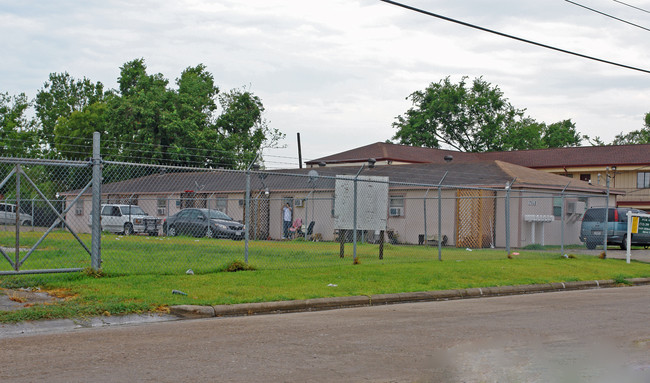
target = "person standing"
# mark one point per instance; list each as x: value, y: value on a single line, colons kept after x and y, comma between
x: 286, y: 220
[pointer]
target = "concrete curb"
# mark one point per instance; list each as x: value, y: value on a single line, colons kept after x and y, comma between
x: 193, y: 312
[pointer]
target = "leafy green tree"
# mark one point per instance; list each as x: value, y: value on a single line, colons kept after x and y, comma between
x: 73, y: 135
x: 146, y: 119
x: 561, y: 134
x: 18, y: 136
x: 468, y: 118
x: 243, y: 129
x: 475, y: 117
x: 138, y: 115
x: 60, y: 97
x: 183, y: 125
x: 641, y: 136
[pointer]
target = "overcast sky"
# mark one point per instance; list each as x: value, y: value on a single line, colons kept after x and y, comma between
x: 339, y: 71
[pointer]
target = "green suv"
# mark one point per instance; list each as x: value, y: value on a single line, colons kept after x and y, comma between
x: 593, y: 222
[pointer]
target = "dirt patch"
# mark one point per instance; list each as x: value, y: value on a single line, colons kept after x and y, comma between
x: 11, y: 300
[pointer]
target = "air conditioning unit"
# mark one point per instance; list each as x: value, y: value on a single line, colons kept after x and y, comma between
x: 571, y: 207
x: 396, y: 211
x: 162, y: 211
x: 298, y: 202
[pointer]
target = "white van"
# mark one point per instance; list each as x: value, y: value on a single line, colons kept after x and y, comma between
x: 8, y: 215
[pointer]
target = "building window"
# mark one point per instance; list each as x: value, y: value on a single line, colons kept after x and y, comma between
x: 643, y: 180
x: 221, y: 204
x: 585, y: 177
x: 79, y: 207
x: 396, y: 206
x: 162, y: 206
x: 557, y: 206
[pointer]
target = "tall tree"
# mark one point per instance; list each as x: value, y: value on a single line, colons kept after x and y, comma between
x: 641, y: 136
x: 60, y: 97
x: 475, y: 118
x: 243, y: 129
x: 472, y: 119
x: 73, y: 135
x: 139, y: 113
x: 182, y: 125
x: 18, y: 135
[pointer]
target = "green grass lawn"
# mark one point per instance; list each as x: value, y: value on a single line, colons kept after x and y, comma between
x: 139, y: 273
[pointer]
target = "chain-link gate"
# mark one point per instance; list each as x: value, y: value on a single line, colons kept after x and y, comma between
x: 30, y: 214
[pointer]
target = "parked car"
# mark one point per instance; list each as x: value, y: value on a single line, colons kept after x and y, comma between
x: 203, y: 223
x: 8, y: 215
x: 127, y: 220
x: 593, y: 223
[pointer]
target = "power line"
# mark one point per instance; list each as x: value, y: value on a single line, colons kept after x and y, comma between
x: 513, y: 37
x: 607, y: 15
x: 631, y: 6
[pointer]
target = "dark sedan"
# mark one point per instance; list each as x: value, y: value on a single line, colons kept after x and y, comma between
x: 195, y: 222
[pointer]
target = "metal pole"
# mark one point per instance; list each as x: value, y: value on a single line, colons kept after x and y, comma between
x: 508, y: 218
x: 562, y: 220
x: 17, y: 263
x: 247, y: 198
x: 354, y: 219
x: 424, y: 203
x: 96, y: 244
x: 628, y: 238
x: 606, y: 228
x: 439, y: 223
x: 440, y: 216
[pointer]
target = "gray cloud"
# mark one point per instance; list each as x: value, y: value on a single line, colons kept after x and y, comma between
x: 338, y: 71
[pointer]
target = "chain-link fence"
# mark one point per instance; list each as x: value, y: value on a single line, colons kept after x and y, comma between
x: 36, y: 222
x: 172, y: 219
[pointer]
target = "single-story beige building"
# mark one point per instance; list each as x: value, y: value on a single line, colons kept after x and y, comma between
x: 473, y: 205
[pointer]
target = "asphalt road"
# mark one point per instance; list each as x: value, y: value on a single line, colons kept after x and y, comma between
x: 579, y: 336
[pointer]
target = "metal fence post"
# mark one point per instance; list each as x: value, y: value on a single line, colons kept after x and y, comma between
x: 606, y: 228
x: 354, y: 216
x: 440, y: 216
x: 507, y: 209
x: 562, y: 221
x: 18, y: 171
x: 247, y: 221
x: 247, y: 213
x: 424, y: 203
x: 96, y: 255
x: 439, y: 223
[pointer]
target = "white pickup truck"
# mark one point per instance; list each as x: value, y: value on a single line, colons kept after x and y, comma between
x: 8, y: 215
x: 127, y: 220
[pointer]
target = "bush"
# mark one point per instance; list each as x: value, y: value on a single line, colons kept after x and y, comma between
x: 238, y: 266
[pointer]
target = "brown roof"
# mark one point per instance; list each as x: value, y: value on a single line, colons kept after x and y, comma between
x: 585, y: 156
